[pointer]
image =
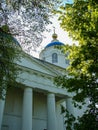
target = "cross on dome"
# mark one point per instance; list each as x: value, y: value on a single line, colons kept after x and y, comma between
x: 55, y: 41
x: 54, y: 36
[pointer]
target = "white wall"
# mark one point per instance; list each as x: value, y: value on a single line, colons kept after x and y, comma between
x: 13, y: 110
x: 46, y: 55
x: 39, y: 111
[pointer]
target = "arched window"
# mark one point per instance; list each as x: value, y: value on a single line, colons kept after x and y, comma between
x: 54, y: 58
x: 67, y: 61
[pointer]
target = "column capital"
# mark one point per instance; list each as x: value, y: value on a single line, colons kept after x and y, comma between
x: 51, y: 95
x: 28, y: 89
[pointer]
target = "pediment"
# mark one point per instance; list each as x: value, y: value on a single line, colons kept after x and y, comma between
x: 33, y: 63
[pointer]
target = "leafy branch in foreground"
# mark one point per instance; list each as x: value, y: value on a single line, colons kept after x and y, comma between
x: 81, y: 21
x: 27, y: 19
x: 9, y: 52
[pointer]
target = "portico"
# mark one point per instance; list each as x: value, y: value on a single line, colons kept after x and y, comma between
x: 33, y: 103
x: 29, y: 112
x: 28, y: 109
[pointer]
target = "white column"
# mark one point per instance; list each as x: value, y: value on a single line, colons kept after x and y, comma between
x: 51, y: 121
x: 27, y: 109
x: 2, y: 103
x: 69, y: 105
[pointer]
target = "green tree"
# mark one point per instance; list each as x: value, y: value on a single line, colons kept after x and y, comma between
x: 81, y: 21
x: 27, y: 19
x: 9, y: 52
x: 24, y: 19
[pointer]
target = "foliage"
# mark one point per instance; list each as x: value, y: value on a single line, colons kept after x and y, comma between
x: 87, y: 121
x: 9, y: 51
x: 69, y: 118
x: 27, y: 19
x: 81, y: 21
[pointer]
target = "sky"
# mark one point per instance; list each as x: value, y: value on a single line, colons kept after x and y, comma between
x: 62, y: 35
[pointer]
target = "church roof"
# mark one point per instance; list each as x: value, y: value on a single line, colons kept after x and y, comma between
x: 10, y: 37
x: 54, y: 43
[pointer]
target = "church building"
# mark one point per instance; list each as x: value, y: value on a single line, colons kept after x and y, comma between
x: 36, y: 103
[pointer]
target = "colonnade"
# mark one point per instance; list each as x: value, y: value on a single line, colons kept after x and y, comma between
x: 28, y: 108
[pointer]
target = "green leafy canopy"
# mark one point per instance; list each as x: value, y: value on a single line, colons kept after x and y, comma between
x: 81, y: 21
x: 9, y: 52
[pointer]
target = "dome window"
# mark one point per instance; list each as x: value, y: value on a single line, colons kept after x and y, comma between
x: 54, y: 58
x: 67, y: 61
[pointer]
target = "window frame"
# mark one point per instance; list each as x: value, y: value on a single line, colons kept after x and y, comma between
x: 54, y: 58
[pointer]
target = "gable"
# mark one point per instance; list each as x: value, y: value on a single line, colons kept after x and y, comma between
x: 32, y: 63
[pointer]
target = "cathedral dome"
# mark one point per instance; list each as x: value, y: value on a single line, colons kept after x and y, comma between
x: 10, y: 38
x: 54, y: 43
x: 53, y: 54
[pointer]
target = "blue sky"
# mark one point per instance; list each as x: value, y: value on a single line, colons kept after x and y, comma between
x: 67, y: 1
x: 62, y: 35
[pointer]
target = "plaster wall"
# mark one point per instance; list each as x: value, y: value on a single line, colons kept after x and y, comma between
x: 46, y: 55
x: 13, y: 110
x: 30, y: 63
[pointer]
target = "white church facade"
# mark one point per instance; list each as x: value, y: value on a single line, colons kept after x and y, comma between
x: 36, y: 103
